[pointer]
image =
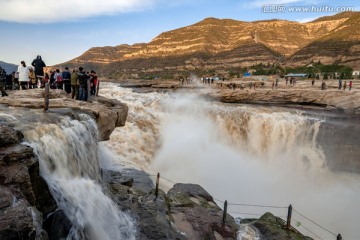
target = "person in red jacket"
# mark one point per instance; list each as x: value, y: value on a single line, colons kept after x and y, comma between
x: 93, y: 82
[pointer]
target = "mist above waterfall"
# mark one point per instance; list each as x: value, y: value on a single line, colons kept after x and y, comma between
x: 240, y: 153
x: 269, y: 158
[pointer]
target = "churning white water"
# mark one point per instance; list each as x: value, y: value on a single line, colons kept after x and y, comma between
x: 244, y: 154
x: 68, y: 157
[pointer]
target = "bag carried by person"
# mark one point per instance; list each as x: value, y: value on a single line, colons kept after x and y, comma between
x: 59, y: 79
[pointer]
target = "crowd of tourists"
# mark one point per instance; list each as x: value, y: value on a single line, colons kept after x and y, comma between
x: 77, y: 82
x: 343, y: 85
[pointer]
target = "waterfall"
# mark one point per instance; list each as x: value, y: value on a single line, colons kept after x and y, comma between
x: 240, y: 153
x: 67, y: 152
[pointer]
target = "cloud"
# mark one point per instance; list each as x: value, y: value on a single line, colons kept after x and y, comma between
x: 45, y: 11
x: 260, y: 3
x: 305, y: 20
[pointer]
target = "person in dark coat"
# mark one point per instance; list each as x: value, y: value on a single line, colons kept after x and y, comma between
x: 66, y: 76
x: 83, y: 89
x: 39, y: 65
x: 3, y: 82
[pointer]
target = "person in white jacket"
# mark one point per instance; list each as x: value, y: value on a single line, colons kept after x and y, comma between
x: 23, y: 71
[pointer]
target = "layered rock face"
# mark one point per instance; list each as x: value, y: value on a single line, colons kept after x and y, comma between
x: 227, y: 44
x: 340, y: 45
x: 332, y: 100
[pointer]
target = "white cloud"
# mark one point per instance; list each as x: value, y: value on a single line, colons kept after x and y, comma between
x: 305, y: 20
x: 260, y: 3
x: 43, y: 11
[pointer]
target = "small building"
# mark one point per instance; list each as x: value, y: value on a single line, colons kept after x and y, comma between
x: 356, y: 73
x: 261, y: 77
x: 296, y: 75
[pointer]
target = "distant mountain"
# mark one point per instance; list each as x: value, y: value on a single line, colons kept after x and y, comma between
x: 9, y: 67
x: 226, y: 44
x: 340, y: 45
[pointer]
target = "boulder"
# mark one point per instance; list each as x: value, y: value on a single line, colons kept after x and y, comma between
x: 16, y: 220
x: 274, y: 228
x: 57, y: 225
x: 197, y: 216
x: 131, y: 190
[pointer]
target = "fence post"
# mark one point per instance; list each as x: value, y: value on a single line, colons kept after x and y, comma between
x: 97, y: 87
x: 88, y: 89
x: 225, y: 212
x: 157, y: 185
x: 46, y: 97
x: 288, y: 222
x: 339, y: 237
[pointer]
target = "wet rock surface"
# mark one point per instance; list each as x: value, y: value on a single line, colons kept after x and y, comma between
x: 274, y: 228
x: 133, y: 192
x: 21, y: 188
x: 196, y: 214
x: 187, y: 211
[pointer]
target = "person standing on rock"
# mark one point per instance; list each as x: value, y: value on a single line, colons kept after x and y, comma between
x: 340, y: 84
x: 344, y: 85
x: 66, y: 76
x: 58, y: 79
x: 350, y: 85
x: 3, y: 82
x: 32, y: 78
x: 93, y: 82
x: 15, y: 81
x: 83, y: 88
x: 39, y: 65
x: 75, y: 84
x: 23, y: 71
x: 323, y: 85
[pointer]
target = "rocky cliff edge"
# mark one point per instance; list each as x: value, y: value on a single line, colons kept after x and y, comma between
x: 108, y: 113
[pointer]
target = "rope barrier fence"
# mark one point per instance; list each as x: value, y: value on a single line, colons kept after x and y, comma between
x: 315, y: 223
x: 307, y: 229
x: 234, y: 209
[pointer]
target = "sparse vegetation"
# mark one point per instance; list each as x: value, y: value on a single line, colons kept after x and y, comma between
x: 328, y: 71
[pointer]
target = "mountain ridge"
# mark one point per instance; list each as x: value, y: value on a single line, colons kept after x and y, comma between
x: 9, y: 67
x: 205, y: 43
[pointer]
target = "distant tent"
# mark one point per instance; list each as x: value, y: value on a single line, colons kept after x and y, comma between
x: 247, y: 74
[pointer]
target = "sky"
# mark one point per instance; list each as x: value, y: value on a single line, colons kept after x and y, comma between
x: 61, y: 30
